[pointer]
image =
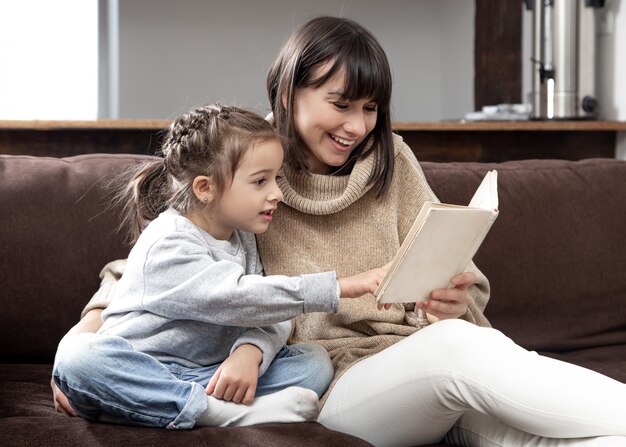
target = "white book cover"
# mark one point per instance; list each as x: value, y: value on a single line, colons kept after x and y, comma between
x: 441, y: 243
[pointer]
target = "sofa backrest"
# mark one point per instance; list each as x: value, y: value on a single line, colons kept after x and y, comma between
x: 556, y: 255
x: 56, y: 233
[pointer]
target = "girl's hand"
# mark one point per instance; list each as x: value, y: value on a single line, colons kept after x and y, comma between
x: 236, y: 378
x: 61, y: 404
x: 91, y: 322
x: 358, y: 285
x: 450, y: 303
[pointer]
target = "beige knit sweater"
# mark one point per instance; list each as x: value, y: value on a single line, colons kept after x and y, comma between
x: 336, y: 223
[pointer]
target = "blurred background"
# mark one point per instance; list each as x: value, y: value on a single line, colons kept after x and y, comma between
x: 153, y: 59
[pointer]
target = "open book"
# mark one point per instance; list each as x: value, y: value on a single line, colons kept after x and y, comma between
x: 441, y: 243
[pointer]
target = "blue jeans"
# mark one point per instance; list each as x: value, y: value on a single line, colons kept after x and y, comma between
x: 104, y: 378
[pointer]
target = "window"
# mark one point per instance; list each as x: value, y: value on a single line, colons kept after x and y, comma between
x: 49, y: 59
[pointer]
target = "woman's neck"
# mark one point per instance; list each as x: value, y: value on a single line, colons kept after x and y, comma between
x: 317, y: 167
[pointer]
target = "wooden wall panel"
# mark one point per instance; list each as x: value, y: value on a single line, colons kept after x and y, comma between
x: 497, y: 52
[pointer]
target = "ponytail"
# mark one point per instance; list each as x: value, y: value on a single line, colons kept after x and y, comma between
x: 144, y: 194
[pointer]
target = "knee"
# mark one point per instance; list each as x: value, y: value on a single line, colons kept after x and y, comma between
x: 459, y: 338
x: 79, y: 356
x: 322, y: 359
x: 318, y: 367
x: 319, y: 359
x: 73, y: 353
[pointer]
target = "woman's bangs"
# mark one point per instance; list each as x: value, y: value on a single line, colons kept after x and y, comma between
x: 367, y: 76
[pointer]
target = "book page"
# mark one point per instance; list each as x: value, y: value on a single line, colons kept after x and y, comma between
x: 486, y: 196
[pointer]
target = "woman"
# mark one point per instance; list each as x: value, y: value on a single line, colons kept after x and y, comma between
x: 417, y: 373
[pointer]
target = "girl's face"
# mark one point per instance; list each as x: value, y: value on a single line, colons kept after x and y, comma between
x: 331, y: 127
x: 250, y: 200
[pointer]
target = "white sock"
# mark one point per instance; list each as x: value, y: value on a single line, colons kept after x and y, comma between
x: 293, y: 404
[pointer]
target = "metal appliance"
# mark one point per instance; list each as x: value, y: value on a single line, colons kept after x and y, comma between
x: 564, y: 59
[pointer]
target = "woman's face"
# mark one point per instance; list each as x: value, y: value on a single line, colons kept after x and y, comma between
x: 331, y: 127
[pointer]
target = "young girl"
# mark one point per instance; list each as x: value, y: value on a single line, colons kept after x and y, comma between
x: 192, y: 310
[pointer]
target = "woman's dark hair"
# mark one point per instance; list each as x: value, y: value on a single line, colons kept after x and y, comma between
x: 347, y: 46
x: 207, y: 141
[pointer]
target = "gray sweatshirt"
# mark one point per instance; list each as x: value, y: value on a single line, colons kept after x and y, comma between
x: 188, y: 298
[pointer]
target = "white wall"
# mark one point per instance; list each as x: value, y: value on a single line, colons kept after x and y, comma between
x: 174, y: 55
x: 456, y: 93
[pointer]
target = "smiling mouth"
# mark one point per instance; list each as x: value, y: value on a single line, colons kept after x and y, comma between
x: 342, y: 141
x: 267, y: 212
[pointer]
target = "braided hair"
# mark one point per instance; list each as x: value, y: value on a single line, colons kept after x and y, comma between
x: 207, y: 141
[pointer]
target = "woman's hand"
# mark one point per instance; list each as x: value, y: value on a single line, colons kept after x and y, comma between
x: 445, y: 304
x: 356, y: 286
x: 236, y: 378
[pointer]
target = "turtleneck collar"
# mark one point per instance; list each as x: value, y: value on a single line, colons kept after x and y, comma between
x: 325, y: 194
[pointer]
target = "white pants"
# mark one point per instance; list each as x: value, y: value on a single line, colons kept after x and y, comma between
x: 474, y: 386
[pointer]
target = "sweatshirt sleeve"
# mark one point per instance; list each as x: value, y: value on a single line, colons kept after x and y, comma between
x: 109, y: 276
x: 269, y: 339
x: 186, y: 282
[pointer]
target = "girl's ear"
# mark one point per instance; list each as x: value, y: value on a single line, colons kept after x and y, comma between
x: 203, y: 188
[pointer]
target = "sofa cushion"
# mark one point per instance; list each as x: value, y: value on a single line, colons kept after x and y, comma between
x: 28, y: 418
x: 556, y: 255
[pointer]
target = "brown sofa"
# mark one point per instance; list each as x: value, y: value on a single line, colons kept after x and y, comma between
x: 556, y: 258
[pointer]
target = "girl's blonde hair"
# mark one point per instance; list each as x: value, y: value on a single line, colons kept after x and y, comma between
x: 207, y: 141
